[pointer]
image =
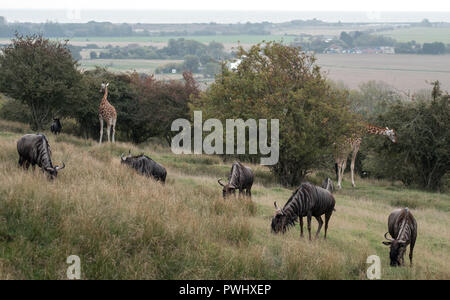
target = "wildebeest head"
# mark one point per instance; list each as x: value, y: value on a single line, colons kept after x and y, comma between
x: 279, y: 220
x: 397, y: 250
x: 125, y: 159
x: 228, y: 188
x: 103, y: 87
x: 52, y: 173
x: 391, y: 134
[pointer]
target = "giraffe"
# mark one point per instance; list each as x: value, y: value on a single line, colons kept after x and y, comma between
x: 351, y: 145
x: 107, y: 112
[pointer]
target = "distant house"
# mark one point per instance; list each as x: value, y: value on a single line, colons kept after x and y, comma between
x: 387, y: 50
x: 333, y: 49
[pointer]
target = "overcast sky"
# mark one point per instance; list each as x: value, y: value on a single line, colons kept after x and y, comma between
x: 284, y: 5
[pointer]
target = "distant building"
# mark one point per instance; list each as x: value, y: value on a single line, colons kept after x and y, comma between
x: 388, y: 50
x: 333, y: 49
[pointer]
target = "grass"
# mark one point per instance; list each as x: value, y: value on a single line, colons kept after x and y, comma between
x: 125, y: 226
x: 420, y: 34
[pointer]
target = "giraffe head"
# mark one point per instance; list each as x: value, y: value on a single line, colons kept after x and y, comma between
x: 104, y: 86
x: 391, y: 134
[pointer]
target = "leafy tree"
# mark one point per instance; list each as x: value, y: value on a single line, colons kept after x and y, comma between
x: 191, y: 63
x: 93, y: 55
x: 41, y: 74
x: 280, y: 82
x: 346, y: 38
x: 422, y: 155
x: 433, y: 48
x: 160, y: 103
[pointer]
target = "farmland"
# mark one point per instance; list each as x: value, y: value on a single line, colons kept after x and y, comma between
x: 153, y: 231
x: 420, y: 34
x: 404, y: 72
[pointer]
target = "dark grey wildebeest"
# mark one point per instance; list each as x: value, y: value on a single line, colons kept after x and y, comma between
x: 307, y: 201
x: 56, y: 126
x: 240, y: 178
x: 34, y: 149
x: 146, y: 166
x: 402, y: 227
x: 328, y: 184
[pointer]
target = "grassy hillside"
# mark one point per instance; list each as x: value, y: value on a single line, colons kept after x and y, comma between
x: 124, y: 226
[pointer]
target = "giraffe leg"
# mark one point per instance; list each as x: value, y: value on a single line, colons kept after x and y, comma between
x: 352, y: 166
x: 338, y: 173
x: 113, y: 129
x: 101, y: 129
x: 108, y: 130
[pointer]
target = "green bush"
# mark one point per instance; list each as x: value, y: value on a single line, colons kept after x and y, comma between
x: 422, y: 155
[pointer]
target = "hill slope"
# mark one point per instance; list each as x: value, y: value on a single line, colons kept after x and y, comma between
x: 124, y: 226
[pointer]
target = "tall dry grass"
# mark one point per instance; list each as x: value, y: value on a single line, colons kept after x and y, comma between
x: 125, y: 226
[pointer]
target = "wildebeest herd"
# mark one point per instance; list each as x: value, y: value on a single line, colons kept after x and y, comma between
x: 307, y: 200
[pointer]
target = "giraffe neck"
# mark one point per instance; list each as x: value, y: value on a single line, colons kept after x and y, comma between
x: 105, y: 96
x: 372, y: 129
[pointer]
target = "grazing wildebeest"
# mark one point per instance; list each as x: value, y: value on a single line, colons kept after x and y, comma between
x: 34, y: 149
x: 403, y: 228
x: 241, y: 178
x: 56, y: 126
x: 328, y: 184
x: 308, y: 201
x: 144, y: 165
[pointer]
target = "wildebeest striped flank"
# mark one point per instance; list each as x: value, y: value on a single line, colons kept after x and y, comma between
x: 144, y: 165
x: 402, y: 227
x: 307, y: 201
x: 34, y: 149
x: 241, y: 178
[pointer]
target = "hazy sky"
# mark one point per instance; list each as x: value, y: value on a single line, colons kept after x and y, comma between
x: 284, y: 5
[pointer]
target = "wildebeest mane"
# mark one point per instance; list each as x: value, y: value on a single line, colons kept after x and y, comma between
x: 42, y: 152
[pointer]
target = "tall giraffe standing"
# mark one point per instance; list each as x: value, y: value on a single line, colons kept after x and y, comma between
x: 107, y: 112
x: 351, y: 145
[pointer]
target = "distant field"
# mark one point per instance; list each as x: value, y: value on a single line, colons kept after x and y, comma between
x: 404, y: 72
x: 123, y: 65
x: 420, y: 34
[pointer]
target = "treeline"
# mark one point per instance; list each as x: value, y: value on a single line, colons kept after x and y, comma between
x: 362, y: 39
x: 273, y: 81
x: 175, y: 49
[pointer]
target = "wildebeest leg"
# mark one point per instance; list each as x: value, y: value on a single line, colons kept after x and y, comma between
x: 301, y: 226
x: 327, y: 218
x: 27, y: 165
x: 411, y: 249
x: 20, y: 161
x: 101, y: 129
x: 308, y: 219
x: 319, y: 220
x: 249, y: 193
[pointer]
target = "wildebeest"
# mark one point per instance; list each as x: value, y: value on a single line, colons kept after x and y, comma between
x: 308, y: 201
x: 328, y: 184
x: 146, y: 166
x: 34, y: 149
x: 240, y: 178
x: 402, y: 227
x: 56, y: 126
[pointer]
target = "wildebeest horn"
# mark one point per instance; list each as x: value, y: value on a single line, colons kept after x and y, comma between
x: 219, y: 181
x: 121, y: 157
x: 275, y: 204
x: 389, y: 239
x: 60, y: 168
